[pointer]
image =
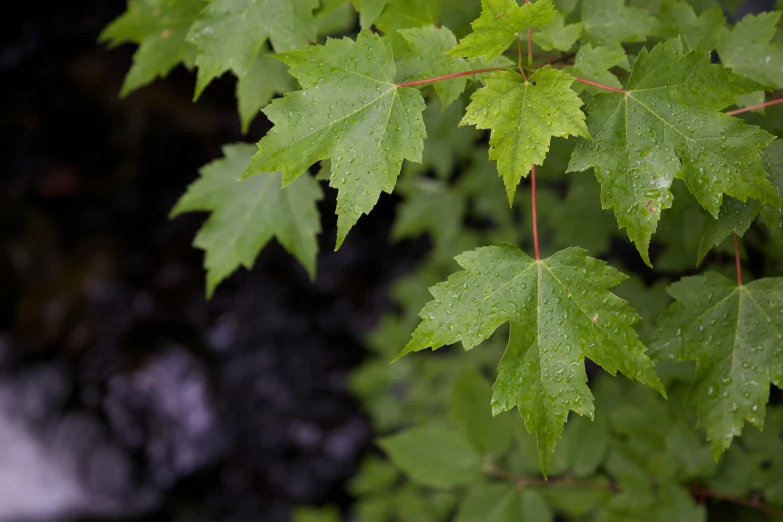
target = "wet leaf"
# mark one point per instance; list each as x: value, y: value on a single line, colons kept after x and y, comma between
x: 160, y: 28
x: 560, y: 312
x: 229, y: 34
x: 735, y: 335
x: 523, y: 116
x: 668, y: 125
x: 350, y: 110
x: 747, y: 49
x: 499, y: 24
x: 247, y: 214
x: 428, y: 58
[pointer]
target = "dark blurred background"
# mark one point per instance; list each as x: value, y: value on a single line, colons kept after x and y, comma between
x: 123, y: 393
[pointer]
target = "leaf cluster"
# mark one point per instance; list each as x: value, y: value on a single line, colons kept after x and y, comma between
x: 601, y: 133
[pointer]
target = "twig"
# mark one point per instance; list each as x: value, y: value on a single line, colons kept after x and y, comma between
x: 754, y: 107
x: 449, y: 76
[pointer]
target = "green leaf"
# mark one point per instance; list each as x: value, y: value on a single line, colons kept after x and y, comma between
x: 735, y: 217
x: 773, y: 215
x: 735, y: 334
x: 265, y: 78
x: 247, y: 214
x: 503, y: 503
x: 558, y: 35
x: 499, y: 25
x: 700, y: 32
x: 578, y: 219
x: 560, y: 311
x: 667, y: 124
x: 434, y: 455
x: 430, y: 207
x: 350, y: 111
x: 447, y: 145
x: 593, y: 63
x: 402, y: 14
x: 471, y: 409
x: 374, y: 476
x: 229, y: 34
x: 747, y: 49
x: 609, y: 23
x: 752, y: 98
x: 428, y: 59
x: 490, y: 503
x: 523, y: 116
x: 159, y: 27
x: 369, y: 11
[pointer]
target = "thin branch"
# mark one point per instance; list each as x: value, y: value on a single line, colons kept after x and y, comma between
x: 449, y: 76
x: 565, y: 481
x: 754, y: 501
x: 754, y: 107
x: 535, y: 214
x: 737, y: 259
x: 519, y: 62
x: 599, y: 85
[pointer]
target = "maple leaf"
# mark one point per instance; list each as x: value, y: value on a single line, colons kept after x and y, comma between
x: 700, y: 32
x: 668, y: 124
x: 737, y: 216
x: 523, y: 116
x: 499, y: 24
x: 735, y: 335
x: 229, y: 33
x: 610, y: 22
x: 369, y: 11
x: 558, y: 35
x: 747, y: 49
x: 254, y: 90
x: 160, y: 28
x: 560, y: 310
x: 350, y: 110
x: 593, y: 63
x: 428, y: 58
x: 247, y: 214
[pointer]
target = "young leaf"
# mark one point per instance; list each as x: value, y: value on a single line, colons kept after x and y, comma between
x: 159, y: 27
x: 700, y: 32
x: 523, y: 116
x: 609, y: 22
x: 560, y: 311
x: 229, y: 33
x: 254, y: 90
x: 428, y: 58
x: 434, y: 455
x: 747, y: 49
x: 558, y: 35
x: 735, y: 335
x: 350, y: 110
x: 667, y: 124
x: 247, y: 214
x: 499, y: 24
